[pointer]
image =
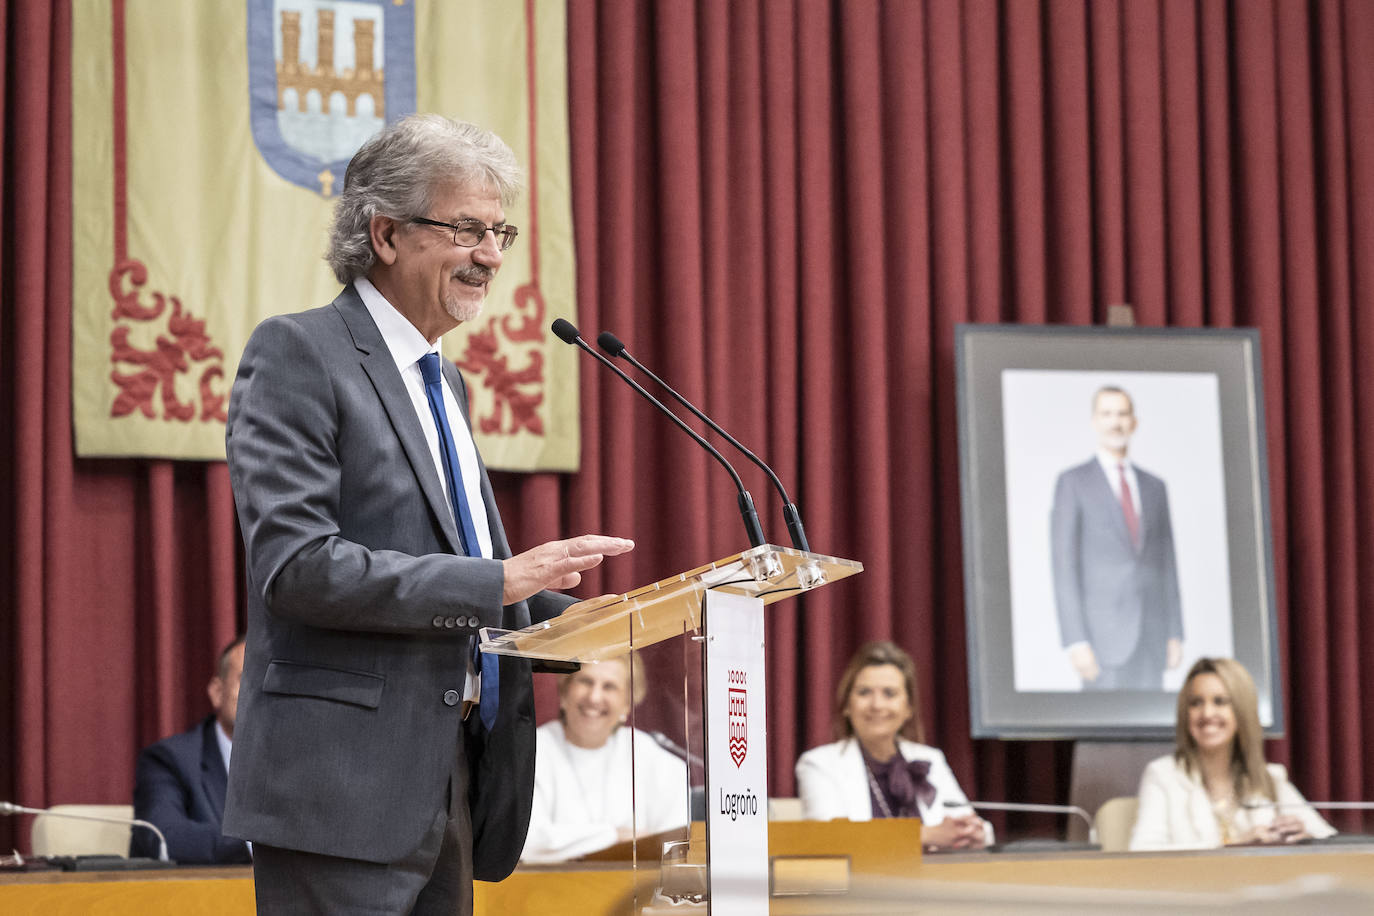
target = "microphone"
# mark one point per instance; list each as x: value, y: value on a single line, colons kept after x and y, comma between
x: 1319, y: 805
x: 568, y: 333
x: 1337, y: 838
x: 1032, y: 809
x: 675, y: 749
x: 613, y: 345
x: 10, y: 808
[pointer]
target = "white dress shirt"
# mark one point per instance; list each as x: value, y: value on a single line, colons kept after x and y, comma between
x: 1112, y: 468
x: 406, y: 345
x: 226, y: 744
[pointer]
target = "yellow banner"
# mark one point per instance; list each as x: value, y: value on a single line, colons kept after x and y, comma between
x: 209, y: 144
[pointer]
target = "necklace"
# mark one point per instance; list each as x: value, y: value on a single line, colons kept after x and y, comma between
x: 1225, y: 811
x: 877, y: 791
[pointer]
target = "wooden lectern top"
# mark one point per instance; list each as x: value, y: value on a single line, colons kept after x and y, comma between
x: 597, y: 630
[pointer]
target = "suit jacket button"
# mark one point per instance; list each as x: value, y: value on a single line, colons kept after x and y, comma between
x: 451, y: 698
x: 450, y: 622
x: 474, y: 622
x: 438, y: 621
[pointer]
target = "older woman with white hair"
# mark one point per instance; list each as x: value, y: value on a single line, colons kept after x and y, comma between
x: 582, y: 784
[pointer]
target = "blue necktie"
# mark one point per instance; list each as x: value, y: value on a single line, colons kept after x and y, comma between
x: 434, y: 393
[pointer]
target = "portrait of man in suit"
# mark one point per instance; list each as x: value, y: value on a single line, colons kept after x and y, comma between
x: 380, y: 762
x: 1114, y: 568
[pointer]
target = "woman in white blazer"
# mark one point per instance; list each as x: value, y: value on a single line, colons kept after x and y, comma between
x: 879, y: 768
x: 1216, y: 788
x: 582, y: 769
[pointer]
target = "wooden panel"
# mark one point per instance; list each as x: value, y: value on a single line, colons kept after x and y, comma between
x: 593, y: 891
x: 116, y: 894
x: 1213, y: 870
x: 887, y: 846
x: 953, y: 880
x: 670, y: 607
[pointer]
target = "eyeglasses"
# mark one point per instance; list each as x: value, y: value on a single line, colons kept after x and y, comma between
x: 467, y: 233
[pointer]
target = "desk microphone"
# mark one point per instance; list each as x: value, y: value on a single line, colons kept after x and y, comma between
x: 613, y: 345
x: 1033, y: 809
x: 10, y: 808
x: 568, y: 333
x: 675, y: 749
x: 1276, y: 806
x: 1319, y: 805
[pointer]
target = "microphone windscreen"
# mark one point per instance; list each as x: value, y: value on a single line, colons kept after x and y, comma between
x: 610, y: 343
x: 565, y: 330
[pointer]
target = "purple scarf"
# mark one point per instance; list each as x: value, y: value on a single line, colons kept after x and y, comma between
x: 903, y: 783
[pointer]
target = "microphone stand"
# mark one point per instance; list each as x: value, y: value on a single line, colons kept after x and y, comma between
x: 1033, y: 809
x: 672, y: 747
x: 1318, y: 805
x: 9, y: 808
x: 790, y: 513
x: 567, y: 332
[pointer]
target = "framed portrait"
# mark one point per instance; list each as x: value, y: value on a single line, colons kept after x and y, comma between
x: 1115, y: 496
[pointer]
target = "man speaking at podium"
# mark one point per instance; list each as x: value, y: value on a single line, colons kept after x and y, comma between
x: 380, y: 764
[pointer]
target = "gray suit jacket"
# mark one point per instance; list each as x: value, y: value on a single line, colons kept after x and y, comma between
x: 1108, y: 593
x: 360, y: 613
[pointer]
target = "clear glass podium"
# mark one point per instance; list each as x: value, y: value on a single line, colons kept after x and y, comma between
x: 706, y: 703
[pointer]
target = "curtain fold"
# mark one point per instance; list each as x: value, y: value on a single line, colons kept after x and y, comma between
x: 785, y: 206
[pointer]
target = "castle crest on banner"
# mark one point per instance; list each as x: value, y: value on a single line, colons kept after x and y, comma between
x: 324, y: 75
x: 209, y: 147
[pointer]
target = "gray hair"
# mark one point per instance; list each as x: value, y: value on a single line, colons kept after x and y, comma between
x: 398, y: 172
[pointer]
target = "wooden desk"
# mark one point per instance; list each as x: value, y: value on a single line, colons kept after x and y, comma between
x: 191, y: 890
x: 1337, y: 880
x: 228, y: 890
x: 1203, y: 870
x: 988, y: 882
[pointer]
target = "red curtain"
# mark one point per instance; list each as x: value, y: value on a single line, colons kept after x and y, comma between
x: 786, y: 206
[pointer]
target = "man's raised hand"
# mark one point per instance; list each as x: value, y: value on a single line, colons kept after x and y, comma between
x: 558, y: 565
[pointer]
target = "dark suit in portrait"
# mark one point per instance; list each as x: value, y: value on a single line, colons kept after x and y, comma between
x: 1119, y: 597
x: 179, y: 785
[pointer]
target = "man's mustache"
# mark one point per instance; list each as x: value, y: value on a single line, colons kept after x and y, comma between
x: 474, y: 273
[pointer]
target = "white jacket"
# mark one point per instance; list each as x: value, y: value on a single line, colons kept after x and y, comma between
x: 563, y: 822
x: 1176, y: 813
x: 832, y: 783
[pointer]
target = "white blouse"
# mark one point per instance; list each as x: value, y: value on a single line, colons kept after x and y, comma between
x: 1175, y: 811
x: 832, y: 784
x: 582, y: 797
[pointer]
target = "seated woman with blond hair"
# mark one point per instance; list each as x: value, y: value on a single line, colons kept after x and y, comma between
x: 582, y: 801
x: 879, y: 768
x: 1216, y: 789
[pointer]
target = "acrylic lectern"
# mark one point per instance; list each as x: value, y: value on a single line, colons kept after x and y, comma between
x: 719, y: 607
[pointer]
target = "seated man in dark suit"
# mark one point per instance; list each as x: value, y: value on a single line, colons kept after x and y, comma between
x: 180, y: 781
